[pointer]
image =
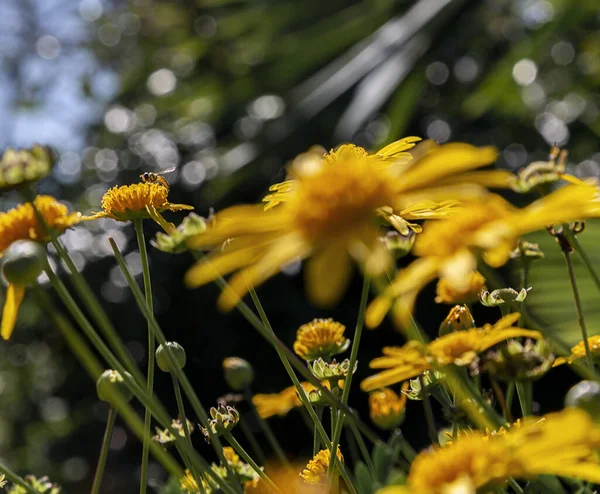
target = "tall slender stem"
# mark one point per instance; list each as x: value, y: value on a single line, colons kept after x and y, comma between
x: 579, y: 308
x: 525, y: 394
x: 139, y: 233
x: 258, y: 451
x: 360, y: 322
x: 15, y: 479
x: 110, y: 425
x: 316, y: 441
x: 428, y: 413
x: 589, y: 264
x: 266, y: 428
x: 248, y: 459
x: 363, y: 449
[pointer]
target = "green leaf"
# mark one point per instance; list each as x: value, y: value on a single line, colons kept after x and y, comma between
x: 363, y: 478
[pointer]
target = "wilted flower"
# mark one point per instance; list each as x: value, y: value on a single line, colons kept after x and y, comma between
x: 449, y: 294
x: 320, y: 338
x: 526, y: 252
x: 21, y: 166
x: 458, y: 319
x: 386, y: 408
x: 174, y: 240
x: 223, y: 419
x: 503, y: 297
x: 316, y: 469
x: 514, y: 360
x: 331, y: 211
x: 542, y: 173
x: 460, y: 348
x: 136, y: 201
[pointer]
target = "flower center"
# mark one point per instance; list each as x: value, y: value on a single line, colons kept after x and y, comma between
x: 134, y: 197
x: 340, y: 197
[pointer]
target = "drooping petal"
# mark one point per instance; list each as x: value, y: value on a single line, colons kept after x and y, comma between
x: 327, y: 275
x: 14, y: 297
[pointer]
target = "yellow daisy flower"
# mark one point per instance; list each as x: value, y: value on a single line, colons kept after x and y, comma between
x: 136, y: 201
x: 316, y: 469
x: 458, y: 348
x: 562, y: 444
x: 21, y: 223
x: 386, y: 408
x: 331, y: 211
x: 320, y: 338
x: 287, y: 479
x: 449, y: 249
x: 268, y: 405
x: 578, y: 351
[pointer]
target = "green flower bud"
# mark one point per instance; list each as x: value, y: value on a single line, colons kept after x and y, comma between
x: 24, y: 261
x: 223, y: 419
x: 238, y: 373
x: 176, y: 351
x: 585, y: 395
x: 399, y: 245
x: 175, y: 241
x: 112, y: 381
x: 20, y: 166
x: 503, y: 297
x: 521, y: 362
x: 333, y: 371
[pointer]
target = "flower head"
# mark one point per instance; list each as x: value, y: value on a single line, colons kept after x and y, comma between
x: 386, y: 408
x: 316, y: 469
x: 136, y: 201
x: 489, y: 229
x: 449, y: 294
x: 460, y: 348
x: 562, y: 444
x: 21, y: 166
x: 331, y: 210
x: 320, y: 338
x: 287, y: 479
x: 578, y: 351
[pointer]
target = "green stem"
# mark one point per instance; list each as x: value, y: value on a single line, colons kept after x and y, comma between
x: 526, y: 265
x: 110, y: 424
x: 428, y: 413
x: 258, y: 451
x: 316, y: 442
x: 589, y: 264
x: 525, y: 393
x: 363, y: 449
x: 268, y: 432
x: 580, y: 318
x: 139, y: 233
x: 510, y: 393
x: 248, y: 459
x: 186, y: 429
x: 124, y: 410
x: 183, y: 379
x: 360, y: 322
x: 15, y: 479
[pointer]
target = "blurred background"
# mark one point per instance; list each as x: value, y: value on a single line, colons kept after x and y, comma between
x: 228, y: 91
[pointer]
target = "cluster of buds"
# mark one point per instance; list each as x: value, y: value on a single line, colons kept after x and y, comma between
x: 223, y: 419
x: 515, y: 361
x: 20, y: 166
x: 166, y: 437
x: 504, y: 298
x: 174, y: 242
x: 542, y: 173
x: 458, y: 319
x: 331, y: 371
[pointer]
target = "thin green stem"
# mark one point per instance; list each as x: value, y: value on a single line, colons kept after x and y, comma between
x: 258, y: 451
x: 360, y: 322
x: 15, y: 479
x: 266, y: 428
x: 248, y: 459
x: 316, y: 441
x: 589, y: 264
x: 139, y: 233
x: 183, y: 379
x: 525, y: 394
x: 579, y: 308
x: 526, y: 266
x: 110, y: 425
x: 363, y: 449
x: 516, y: 487
x: 125, y: 410
x: 431, y: 428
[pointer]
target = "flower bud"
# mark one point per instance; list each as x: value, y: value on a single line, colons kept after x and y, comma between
x: 331, y: 371
x: 223, y: 419
x: 24, y: 261
x: 112, y: 381
x: 503, y: 297
x: 386, y: 408
x: 399, y: 245
x: 458, y: 319
x: 238, y: 373
x: 174, y: 242
x: 176, y: 351
x: 526, y: 252
x: 585, y: 395
x: 20, y: 166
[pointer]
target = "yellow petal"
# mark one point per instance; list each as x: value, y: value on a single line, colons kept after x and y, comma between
x: 14, y: 297
x: 327, y: 275
x: 398, y: 147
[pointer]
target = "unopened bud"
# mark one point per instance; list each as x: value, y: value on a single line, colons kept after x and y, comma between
x: 399, y: 245
x: 585, y: 395
x: 110, y: 382
x: 458, y: 319
x: 176, y: 350
x: 24, y: 261
x: 503, y: 297
x: 238, y: 373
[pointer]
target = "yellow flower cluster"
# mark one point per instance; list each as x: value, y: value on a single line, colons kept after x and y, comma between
x: 562, y: 444
x: 320, y: 338
x: 316, y: 469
